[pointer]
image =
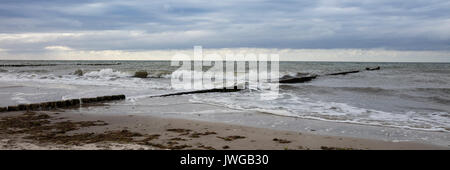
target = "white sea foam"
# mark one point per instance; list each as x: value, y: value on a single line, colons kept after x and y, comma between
x: 107, y: 73
x: 19, y: 98
x: 294, y: 106
x: 104, y: 77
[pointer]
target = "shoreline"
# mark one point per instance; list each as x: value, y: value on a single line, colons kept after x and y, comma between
x: 81, y: 131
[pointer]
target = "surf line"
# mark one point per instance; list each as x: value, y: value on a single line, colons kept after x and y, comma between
x: 236, y: 88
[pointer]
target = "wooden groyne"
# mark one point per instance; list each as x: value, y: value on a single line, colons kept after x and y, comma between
x: 342, y: 73
x: 309, y: 78
x: 99, y: 64
x: 297, y: 79
x: 62, y: 104
x: 216, y: 90
x: 43, y: 65
x: 26, y: 65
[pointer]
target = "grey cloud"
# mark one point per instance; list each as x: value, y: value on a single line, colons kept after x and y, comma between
x: 404, y: 25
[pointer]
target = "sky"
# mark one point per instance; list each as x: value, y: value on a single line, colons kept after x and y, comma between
x: 319, y: 30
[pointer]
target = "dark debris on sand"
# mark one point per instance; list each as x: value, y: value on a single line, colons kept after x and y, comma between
x: 48, y: 129
x: 177, y: 139
x: 170, y: 145
x: 281, y: 140
x: 38, y: 127
x: 197, y: 134
x: 33, y: 124
x: 206, y: 147
x: 334, y: 148
x: 231, y: 138
x: 182, y: 131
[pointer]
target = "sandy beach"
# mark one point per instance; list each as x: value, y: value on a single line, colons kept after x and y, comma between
x: 63, y: 130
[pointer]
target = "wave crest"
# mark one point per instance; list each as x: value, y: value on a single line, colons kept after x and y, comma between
x: 107, y: 73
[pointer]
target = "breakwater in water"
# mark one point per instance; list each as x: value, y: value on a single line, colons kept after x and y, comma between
x: 62, y: 104
x: 47, y: 65
x: 216, y: 90
x: 291, y: 79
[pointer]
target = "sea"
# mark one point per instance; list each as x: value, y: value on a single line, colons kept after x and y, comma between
x: 412, y: 96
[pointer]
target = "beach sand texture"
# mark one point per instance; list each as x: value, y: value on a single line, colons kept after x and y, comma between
x: 62, y: 130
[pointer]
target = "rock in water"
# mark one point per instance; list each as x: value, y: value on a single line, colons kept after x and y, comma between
x: 141, y: 74
x: 78, y: 72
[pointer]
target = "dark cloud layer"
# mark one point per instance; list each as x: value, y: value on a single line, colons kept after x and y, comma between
x: 138, y: 25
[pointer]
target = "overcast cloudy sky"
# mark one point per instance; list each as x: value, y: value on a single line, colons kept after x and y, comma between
x: 383, y: 30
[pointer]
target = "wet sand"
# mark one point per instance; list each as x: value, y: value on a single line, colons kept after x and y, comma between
x: 66, y: 130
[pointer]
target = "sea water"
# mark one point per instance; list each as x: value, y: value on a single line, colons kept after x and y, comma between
x: 401, y: 95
